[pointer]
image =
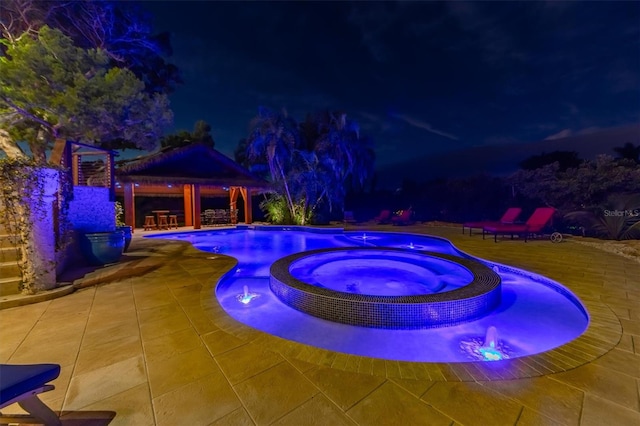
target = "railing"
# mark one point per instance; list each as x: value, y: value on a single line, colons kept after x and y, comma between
x: 212, y: 217
x: 90, y: 166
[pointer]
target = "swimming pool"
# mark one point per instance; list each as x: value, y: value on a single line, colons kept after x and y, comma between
x: 535, y: 314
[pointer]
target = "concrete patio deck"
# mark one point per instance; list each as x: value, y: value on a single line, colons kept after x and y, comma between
x: 150, y: 344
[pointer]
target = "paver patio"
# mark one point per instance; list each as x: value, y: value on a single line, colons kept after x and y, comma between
x: 152, y: 347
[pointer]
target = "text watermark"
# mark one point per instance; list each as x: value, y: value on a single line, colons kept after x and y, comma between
x: 622, y: 213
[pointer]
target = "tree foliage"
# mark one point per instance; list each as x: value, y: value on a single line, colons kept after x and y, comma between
x: 619, y: 220
x: 565, y: 160
x: 311, y: 165
x: 51, y: 89
x: 587, y: 186
x: 628, y: 151
x: 201, y: 134
x: 120, y: 29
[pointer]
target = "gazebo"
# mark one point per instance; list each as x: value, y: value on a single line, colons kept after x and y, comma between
x: 191, y: 171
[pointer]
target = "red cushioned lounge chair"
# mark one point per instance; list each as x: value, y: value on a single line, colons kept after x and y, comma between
x: 383, y: 217
x: 509, y: 216
x: 22, y: 384
x: 403, y: 219
x: 534, y: 225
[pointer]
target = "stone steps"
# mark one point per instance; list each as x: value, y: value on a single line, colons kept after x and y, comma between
x: 9, y: 269
x: 10, y: 277
x: 10, y: 286
x: 8, y: 253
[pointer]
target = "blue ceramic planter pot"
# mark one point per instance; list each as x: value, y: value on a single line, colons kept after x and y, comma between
x: 100, y: 248
x: 126, y: 230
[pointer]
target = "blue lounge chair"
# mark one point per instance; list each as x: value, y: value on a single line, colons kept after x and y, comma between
x: 22, y: 384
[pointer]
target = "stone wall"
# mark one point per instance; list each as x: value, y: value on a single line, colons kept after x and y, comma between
x: 91, y: 210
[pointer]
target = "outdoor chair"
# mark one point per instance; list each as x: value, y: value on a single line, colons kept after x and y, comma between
x: 348, y: 217
x: 509, y: 216
x: 149, y: 223
x: 22, y: 384
x: 534, y: 225
x: 208, y: 217
x: 404, y: 218
x: 222, y: 217
x: 383, y: 217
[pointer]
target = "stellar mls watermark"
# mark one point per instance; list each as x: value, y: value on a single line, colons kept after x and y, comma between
x: 622, y: 213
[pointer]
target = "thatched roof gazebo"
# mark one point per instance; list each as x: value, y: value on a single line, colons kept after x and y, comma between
x: 191, y: 171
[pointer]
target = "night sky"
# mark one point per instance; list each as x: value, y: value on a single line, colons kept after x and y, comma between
x: 419, y: 77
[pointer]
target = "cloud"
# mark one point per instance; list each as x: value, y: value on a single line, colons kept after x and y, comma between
x: 561, y: 134
x: 376, y: 21
x: 373, y: 122
x: 623, y: 80
x: 486, y: 32
x: 568, y: 133
x: 425, y: 126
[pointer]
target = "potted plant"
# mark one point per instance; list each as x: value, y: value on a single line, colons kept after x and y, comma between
x: 121, y: 226
x: 100, y: 248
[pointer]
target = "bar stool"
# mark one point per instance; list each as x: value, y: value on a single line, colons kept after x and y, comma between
x: 173, y: 221
x: 162, y: 222
x: 149, y: 223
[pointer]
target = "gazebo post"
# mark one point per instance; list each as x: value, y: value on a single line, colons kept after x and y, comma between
x: 196, y: 207
x: 188, y: 205
x: 129, y: 206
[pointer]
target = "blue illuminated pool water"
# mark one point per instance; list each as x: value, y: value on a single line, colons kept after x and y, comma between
x: 380, y: 274
x: 536, y: 314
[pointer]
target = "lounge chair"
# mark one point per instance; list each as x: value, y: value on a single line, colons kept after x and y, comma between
x: 534, y: 225
x: 403, y: 219
x: 509, y: 216
x: 22, y: 384
x: 383, y: 217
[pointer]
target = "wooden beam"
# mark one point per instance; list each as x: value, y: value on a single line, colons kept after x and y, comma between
x: 57, y: 153
x: 130, y: 206
x: 75, y: 168
x: 111, y: 169
x: 188, y: 205
x: 196, y: 207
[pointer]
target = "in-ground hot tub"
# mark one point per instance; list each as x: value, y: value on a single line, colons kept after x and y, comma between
x: 386, y: 287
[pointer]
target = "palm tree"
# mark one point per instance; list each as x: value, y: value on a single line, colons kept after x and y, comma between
x: 353, y: 155
x: 312, y: 163
x: 272, y: 141
x: 628, y: 151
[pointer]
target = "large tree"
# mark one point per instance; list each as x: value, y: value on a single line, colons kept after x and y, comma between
x: 272, y: 141
x: 311, y: 164
x: 565, y: 160
x: 201, y: 134
x: 51, y: 89
x: 122, y: 30
x: 587, y: 186
x: 628, y: 151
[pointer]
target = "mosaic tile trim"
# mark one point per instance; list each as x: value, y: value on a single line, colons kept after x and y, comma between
x: 467, y: 303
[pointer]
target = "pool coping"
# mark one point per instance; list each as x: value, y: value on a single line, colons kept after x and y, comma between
x: 471, y: 301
